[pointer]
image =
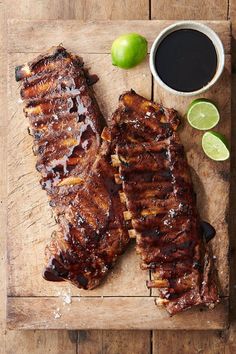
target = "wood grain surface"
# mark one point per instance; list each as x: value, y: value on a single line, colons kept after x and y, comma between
x: 95, y: 342
x: 93, y: 37
x: 108, y: 313
x: 27, y: 234
x: 192, y: 10
x: 114, y: 342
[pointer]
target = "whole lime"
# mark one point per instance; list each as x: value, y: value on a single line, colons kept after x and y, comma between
x: 128, y: 50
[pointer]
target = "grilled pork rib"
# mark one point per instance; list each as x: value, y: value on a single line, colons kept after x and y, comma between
x: 66, y: 123
x: 161, y: 203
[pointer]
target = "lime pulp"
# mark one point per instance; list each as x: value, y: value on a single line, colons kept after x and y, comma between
x: 215, y: 146
x: 203, y: 114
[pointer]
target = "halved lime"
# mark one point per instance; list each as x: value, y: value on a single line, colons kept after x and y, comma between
x: 215, y: 146
x: 202, y: 114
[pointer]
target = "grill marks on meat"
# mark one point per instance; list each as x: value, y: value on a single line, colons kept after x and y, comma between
x: 161, y: 203
x: 92, y: 232
x: 66, y: 123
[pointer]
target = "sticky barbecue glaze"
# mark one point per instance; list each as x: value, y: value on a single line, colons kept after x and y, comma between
x: 66, y: 123
x: 159, y: 196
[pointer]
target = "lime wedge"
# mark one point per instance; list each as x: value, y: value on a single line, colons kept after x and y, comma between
x: 215, y: 146
x: 203, y: 114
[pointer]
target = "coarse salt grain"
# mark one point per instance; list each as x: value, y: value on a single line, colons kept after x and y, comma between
x: 57, y: 313
x: 67, y: 298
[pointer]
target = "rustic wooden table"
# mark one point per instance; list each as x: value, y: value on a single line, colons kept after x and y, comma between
x: 113, y: 342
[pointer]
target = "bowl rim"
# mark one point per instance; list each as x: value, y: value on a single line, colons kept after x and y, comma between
x: 210, y: 33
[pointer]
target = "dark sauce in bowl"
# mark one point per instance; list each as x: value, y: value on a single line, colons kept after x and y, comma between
x: 186, y: 60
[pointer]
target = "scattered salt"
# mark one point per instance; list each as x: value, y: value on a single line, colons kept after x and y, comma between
x: 57, y: 313
x: 67, y: 298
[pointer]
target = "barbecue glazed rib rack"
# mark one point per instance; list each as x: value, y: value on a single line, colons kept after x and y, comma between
x: 65, y: 122
x: 161, y: 203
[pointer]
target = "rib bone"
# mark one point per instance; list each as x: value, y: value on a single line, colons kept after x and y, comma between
x: 122, y: 197
x: 115, y: 160
x: 127, y: 215
x: 117, y: 179
x: 132, y: 233
x: 70, y: 181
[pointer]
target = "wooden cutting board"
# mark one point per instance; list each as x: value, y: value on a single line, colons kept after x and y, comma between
x: 122, y: 301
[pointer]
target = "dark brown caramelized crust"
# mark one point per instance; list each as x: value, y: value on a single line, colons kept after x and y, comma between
x: 66, y: 123
x: 161, y: 203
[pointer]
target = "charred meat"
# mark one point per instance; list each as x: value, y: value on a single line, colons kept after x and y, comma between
x: 65, y: 122
x: 161, y: 203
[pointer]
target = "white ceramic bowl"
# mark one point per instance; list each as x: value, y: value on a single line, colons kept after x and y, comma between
x: 195, y: 26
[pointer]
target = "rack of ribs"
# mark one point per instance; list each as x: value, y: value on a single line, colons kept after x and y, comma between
x: 65, y: 122
x: 161, y: 204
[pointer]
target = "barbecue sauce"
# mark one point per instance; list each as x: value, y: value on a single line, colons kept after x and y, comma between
x: 186, y: 60
x: 208, y: 231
